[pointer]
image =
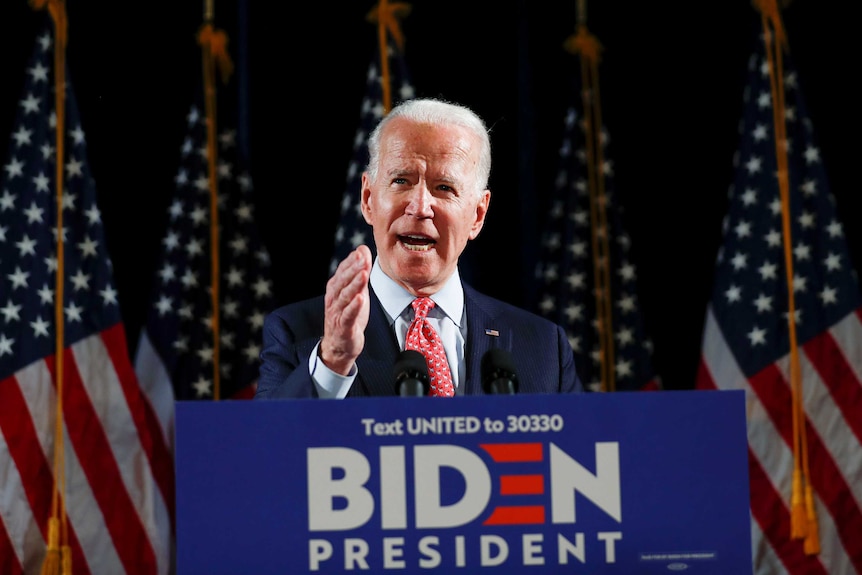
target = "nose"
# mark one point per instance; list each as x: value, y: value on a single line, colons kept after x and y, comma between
x: 420, y: 202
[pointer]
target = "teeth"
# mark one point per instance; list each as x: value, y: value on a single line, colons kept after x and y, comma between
x: 417, y: 243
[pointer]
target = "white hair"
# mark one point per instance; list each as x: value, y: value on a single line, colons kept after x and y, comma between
x: 440, y: 113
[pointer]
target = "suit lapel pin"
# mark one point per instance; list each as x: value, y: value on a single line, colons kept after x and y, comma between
x: 492, y: 332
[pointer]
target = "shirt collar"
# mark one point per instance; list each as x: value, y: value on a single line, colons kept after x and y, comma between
x: 394, y: 298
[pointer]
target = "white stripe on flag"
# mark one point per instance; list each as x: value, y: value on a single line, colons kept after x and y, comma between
x: 89, y: 525
x: 766, y: 562
x: 15, y: 515
x: 848, y: 334
x: 776, y: 456
x: 106, y: 394
x: 34, y: 383
x: 156, y: 383
x: 113, y: 419
x: 825, y: 416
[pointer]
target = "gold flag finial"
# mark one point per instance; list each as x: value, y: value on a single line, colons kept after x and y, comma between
x: 57, y: 9
x: 216, y: 40
x: 772, y: 12
x: 585, y: 44
x: 390, y: 15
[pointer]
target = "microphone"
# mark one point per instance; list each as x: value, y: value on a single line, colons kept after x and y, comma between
x: 411, y: 374
x: 498, y: 373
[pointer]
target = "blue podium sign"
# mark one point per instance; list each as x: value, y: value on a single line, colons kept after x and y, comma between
x: 615, y: 483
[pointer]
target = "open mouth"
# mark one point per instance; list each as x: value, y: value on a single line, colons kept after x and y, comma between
x: 417, y: 243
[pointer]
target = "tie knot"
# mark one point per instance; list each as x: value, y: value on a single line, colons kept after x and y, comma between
x: 421, y: 305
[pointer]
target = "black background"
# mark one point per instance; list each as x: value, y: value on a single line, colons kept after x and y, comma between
x: 671, y: 79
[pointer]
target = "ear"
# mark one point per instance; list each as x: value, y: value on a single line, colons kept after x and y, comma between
x: 481, y: 212
x: 365, y: 198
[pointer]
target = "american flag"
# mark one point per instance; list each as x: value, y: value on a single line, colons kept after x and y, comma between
x: 176, y: 348
x: 118, y: 471
x: 747, y: 339
x: 566, y: 272
x: 352, y: 229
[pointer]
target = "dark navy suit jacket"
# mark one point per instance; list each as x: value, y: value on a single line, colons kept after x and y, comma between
x: 544, y: 361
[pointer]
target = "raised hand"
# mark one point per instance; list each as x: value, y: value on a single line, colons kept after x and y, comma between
x: 347, y: 304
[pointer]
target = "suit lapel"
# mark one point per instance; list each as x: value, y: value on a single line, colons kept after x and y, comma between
x: 376, y: 361
x: 483, y: 333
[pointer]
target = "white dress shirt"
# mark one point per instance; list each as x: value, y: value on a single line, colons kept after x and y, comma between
x: 448, y: 317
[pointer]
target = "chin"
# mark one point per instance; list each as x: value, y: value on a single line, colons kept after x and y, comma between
x: 419, y: 268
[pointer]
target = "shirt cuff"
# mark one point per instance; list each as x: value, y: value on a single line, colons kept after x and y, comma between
x: 330, y: 385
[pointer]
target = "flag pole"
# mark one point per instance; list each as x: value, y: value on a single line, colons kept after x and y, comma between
x: 58, y: 554
x: 213, y: 44
x: 585, y: 45
x: 383, y: 9
x: 387, y: 16
x: 803, y: 514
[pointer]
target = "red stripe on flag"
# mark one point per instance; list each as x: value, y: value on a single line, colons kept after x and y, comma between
x: 838, y: 377
x: 773, y: 391
x: 517, y: 515
x: 9, y: 563
x: 522, y: 485
x: 826, y: 477
x: 652, y: 385
x: 832, y: 489
x: 246, y: 392
x: 772, y: 515
x: 12, y: 410
x: 26, y: 451
x: 36, y: 473
x: 703, y: 379
x: 97, y: 461
x: 148, y: 424
x: 513, y: 452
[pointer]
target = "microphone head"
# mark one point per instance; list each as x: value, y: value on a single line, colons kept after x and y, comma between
x: 498, y: 367
x: 412, y: 368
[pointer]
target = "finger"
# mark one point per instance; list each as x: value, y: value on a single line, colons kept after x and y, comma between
x: 351, y: 311
x: 357, y: 287
x: 364, y: 253
x: 357, y: 261
x: 338, y: 283
x: 341, y: 291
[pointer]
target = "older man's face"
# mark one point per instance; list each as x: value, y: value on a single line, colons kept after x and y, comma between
x: 424, y: 204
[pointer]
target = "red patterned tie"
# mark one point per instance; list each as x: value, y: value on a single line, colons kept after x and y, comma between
x: 422, y: 337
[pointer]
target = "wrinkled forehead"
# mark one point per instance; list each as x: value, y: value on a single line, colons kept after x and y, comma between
x: 411, y: 145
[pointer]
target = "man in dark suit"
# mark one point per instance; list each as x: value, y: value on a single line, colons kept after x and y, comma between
x: 425, y: 194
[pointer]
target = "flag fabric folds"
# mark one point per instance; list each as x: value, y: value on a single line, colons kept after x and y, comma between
x: 352, y: 230
x: 176, y: 349
x: 118, y: 473
x: 567, y: 274
x: 747, y: 337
